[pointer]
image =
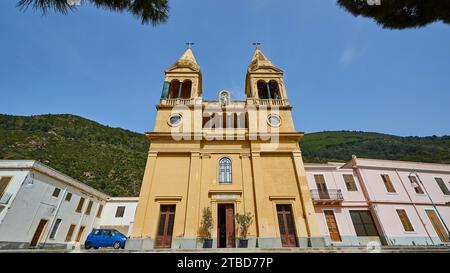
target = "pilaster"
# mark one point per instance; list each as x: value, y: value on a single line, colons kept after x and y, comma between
x: 144, y: 197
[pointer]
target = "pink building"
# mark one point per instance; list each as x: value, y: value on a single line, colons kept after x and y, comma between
x: 384, y: 201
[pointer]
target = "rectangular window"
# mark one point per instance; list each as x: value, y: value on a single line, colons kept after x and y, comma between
x: 405, y: 220
x: 442, y: 185
x: 415, y: 184
x: 438, y: 227
x: 89, y: 207
x: 363, y: 223
x: 99, y: 211
x: 4, y: 182
x: 55, y: 228
x: 321, y: 187
x: 350, y: 182
x: 120, y: 211
x: 56, y: 192
x: 80, y: 205
x: 70, y: 233
x: 80, y: 233
x: 68, y: 197
x: 320, y: 182
x: 388, y: 183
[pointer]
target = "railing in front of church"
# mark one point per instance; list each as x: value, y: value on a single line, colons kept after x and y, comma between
x: 270, y: 102
x: 178, y: 101
x: 255, y: 101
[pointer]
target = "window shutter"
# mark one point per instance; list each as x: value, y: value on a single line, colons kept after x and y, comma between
x: 407, y: 226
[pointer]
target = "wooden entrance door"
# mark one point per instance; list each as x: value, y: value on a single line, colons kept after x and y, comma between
x: 165, y: 227
x: 321, y: 186
x: 225, y: 226
x: 332, y: 226
x: 38, y: 233
x: 440, y: 230
x: 287, y: 227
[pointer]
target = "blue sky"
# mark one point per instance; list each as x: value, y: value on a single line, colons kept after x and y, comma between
x: 341, y: 72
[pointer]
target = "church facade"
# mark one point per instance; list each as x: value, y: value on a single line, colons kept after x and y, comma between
x: 228, y: 156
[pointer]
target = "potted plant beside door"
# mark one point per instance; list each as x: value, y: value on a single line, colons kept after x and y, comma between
x: 206, y: 227
x: 244, y: 221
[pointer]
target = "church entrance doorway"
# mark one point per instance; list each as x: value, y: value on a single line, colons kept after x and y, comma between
x: 225, y: 226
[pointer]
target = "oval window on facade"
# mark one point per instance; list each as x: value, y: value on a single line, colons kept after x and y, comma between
x: 274, y: 120
x: 175, y: 120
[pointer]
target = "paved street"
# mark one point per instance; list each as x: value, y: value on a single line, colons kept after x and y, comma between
x: 384, y: 249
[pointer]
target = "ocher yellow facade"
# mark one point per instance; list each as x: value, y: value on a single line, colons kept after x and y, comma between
x: 183, y: 164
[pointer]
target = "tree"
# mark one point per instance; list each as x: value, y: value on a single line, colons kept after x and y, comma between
x: 148, y: 11
x: 207, y: 223
x: 400, y: 14
x: 244, y: 221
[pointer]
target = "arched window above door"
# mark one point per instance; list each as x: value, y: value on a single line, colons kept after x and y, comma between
x: 225, y: 174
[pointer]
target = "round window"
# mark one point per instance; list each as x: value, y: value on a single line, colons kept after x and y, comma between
x: 175, y: 120
x: 274, y: 120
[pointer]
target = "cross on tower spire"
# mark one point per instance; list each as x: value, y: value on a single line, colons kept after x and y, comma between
x: 257, y: 44
x: 189, y: 44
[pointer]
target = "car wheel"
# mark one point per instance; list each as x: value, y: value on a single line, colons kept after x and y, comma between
x: 116, y: 245
x: 87, y: 245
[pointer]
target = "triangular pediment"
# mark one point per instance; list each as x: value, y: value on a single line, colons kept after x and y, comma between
x: 184, y: 68
x: 262, y: 69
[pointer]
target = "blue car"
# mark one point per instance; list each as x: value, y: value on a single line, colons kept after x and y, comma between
x: 105, y: 238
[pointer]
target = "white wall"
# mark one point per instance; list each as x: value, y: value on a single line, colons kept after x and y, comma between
x: 33, y: 201
x: 109, y: 218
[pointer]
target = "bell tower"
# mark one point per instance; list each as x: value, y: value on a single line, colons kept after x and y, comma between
x: 183, y: 80
x: 264, y: 81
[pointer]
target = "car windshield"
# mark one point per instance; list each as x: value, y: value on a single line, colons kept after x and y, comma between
x: 107, y: 233
x: 115, y: 232
x: 97, y: 232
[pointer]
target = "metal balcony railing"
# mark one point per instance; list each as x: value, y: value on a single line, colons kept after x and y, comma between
x: 326, y: 195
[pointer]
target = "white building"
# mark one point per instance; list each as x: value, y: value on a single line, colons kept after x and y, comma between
x: 119, y: 214
x: 41, y: 207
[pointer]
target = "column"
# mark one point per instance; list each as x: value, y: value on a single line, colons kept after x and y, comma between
x: 263, y: 210
x: 248, y: 197
x: 313, y: 230
x: 179, y: 89
x: 144, y: 196
x: 268, y: 90
x: 193, y: 196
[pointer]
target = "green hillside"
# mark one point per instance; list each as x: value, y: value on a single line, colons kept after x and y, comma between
x: 113, y: 159
x: 341, y: 145
x: 109, y: 159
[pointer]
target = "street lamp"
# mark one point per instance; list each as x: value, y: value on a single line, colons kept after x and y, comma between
x: 415, y: 185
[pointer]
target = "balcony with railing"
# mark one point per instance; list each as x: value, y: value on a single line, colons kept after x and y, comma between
x: 268, y: 102
x: 327, y: 197
x: 177, y: 101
